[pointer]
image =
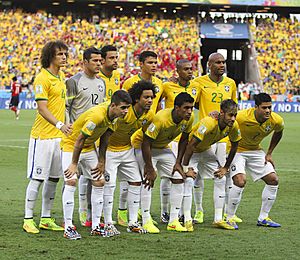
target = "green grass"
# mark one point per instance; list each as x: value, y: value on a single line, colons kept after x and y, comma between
x: 249, y: 242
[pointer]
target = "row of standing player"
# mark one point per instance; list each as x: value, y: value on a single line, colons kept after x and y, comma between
x: 216, y: 60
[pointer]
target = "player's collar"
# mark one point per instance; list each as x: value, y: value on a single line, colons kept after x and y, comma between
x: 184, y: 86
x: 215, y: 81
x: 106, y: 75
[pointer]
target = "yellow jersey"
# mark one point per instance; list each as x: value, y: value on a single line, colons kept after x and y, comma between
x: 253, y: 132
x: 211, y: 94
x: 126, y: 127
x: 93, y: 123
x: 163, y: 130
x: 52, y: 89
x: 112, y: 83
x: 158, y: 88
x: 171, y: 90
x: 208, y: 132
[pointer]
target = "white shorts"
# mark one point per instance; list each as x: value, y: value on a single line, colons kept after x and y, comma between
x: 44, y: 159
x: 87, y: 161
x: 163, y: 161
x: 174, y: 147
x: 205, y: 164
x: 253, y: 162
x: 220, y: 151
x: 123, y: 164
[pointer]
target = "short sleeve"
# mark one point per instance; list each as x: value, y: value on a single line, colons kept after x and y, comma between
x: 199, y: 134
x: 41, y: 88
x: 235, y: 133
x: 279, y: 124
x: 153, y: 129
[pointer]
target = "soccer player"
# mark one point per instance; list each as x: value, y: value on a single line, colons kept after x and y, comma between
x: 255, y: 124
x: 79, y: 148
x: 148, y: 65
x: 85, y: 90
x: 120, y: 157
x: 155, y: 155
x: 44, y: 162
x: 213, y: 89
x: 108, y: 71
x: 16, y: 89
x: 200, y: 156
x: 184, y: 83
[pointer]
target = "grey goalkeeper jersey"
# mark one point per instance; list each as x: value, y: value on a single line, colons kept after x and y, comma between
x: 83, y: 93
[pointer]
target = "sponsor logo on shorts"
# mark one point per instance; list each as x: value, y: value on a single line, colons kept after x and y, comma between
x: 233, y: 167
x: 107, y: 177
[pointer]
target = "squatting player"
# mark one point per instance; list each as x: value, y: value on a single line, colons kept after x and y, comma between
x: 155, y: 155
x: 255, y: 124
x: 79, y: 147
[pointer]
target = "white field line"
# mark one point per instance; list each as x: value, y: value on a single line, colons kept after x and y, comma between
x: 13, y: 146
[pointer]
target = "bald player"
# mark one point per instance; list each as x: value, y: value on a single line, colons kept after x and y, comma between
x: 213, y: 89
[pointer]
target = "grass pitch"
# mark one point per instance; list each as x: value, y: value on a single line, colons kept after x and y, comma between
x: 249, y: 242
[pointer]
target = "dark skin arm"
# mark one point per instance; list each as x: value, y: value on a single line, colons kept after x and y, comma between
x: 99, y: 170
x: 181, y: 150
x: 224, y: 170
x: 149, y: 172
x: 274, y: 141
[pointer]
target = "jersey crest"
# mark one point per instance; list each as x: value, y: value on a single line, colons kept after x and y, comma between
x: 227, y: 88
x: 116, y: 81
x: 156, y: 89
x: 183, y: 127
x: 101, y: 87
x: 194, y: 91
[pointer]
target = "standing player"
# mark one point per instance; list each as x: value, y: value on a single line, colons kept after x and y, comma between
x: 108, y: 71
x: 44, y: 162
x: 79, y: 148
x: 85, y: 90
x: 200, y: 156
x: 120, y: 157
x: 255, y: 124
x: 213, y: 89
x: 148, y: 65
x: 16, y: 89
x: 155, y: 155
x: 184, y: 83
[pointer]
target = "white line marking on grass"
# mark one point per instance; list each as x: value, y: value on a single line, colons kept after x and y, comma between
x: 13, y: 146
x: 15, y: 140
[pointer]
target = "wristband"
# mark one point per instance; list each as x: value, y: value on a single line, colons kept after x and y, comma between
x: 59, y: 125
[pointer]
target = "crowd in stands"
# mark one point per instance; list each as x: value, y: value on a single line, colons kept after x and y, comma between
x: 278, y: 54
x: 22, y: 36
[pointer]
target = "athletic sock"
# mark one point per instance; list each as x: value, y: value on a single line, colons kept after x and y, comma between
x: 108, y: 203
x: 68, y: 205
x: 146, y: 203
x: 165, y: 186
x: 134, y: 196
x: 198, y: 194
x: 228, y: 187
x: 176, y: 195
x: 97, y: 205
x: 48, y: 195
x: 234, y: 199
x: 268, y: 198
x: 187, y: 198
x: 219, y: 198
x: 82, y: 193
x: 32, y: 192
x: 123, y: 195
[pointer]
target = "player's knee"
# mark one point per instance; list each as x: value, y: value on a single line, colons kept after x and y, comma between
x: 272, y: 179
x: 176, y: 181
x: 135, y: 183
x: 53, y: 179
x: 239, y: 180
x: 99, y: 183
x: 72, y: 182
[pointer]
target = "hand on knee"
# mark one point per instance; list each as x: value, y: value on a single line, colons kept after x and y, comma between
x: 239, y: 180
x: 72, y: 182
x: 99, y: 183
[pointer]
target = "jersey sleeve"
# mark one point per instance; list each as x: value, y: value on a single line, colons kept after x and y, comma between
x: 91, y: 122
x: 197, y: 99
x: 279, y: 124
x: 41, y: 88
x: 235, y: 133
x: 154, y: 129
x: 149, y: 118
x: 126, y: 85
x: 200, y: 133
x: 234, y: 92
